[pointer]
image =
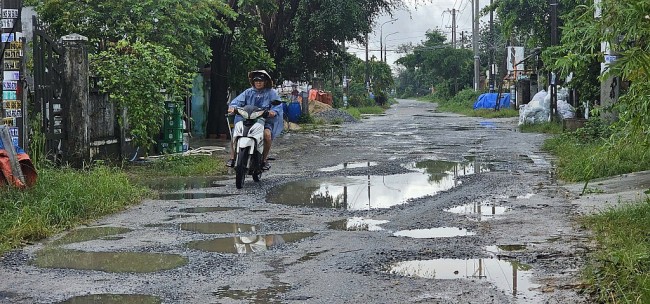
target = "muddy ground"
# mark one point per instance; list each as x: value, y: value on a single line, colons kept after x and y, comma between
x: 414, y: 206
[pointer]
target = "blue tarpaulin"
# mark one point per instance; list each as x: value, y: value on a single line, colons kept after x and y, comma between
x: 488, y: 101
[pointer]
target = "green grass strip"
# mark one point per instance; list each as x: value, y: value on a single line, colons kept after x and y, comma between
x: 61, y: 199
x: 619, y: 270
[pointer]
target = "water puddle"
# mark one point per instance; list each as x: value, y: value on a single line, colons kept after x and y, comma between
x: 218, y: 228
x: 88, y: 234
x: 480, y: 210
x: 183, y: 183
x: 357, y: 224
x: 351, y: 165
x: 440, y: 232
x: 133, y: 262
x: 208, y: 209
x: 498, y: 249
x: 265, y: 295
x: 510, y: 276
x: 429, y: 177
x: 488, y: 124
x: 113, y: 299
x: 248, y: 244
x: 527, y: 196
x: 185, y: 196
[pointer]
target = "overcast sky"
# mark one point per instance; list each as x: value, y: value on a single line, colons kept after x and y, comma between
x: 411, y: 26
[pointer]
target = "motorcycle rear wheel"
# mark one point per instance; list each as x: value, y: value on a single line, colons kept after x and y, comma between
x: 240, y: 168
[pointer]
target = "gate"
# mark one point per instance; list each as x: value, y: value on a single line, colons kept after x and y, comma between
x: 48, y: 91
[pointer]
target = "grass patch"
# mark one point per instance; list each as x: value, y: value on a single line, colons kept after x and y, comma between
x: 583, y: 160
x: 372, y: 110
x: 619, y: 270
x: 64, y: 198
x: 547, y: 127
x: 61, y: 199
x: 178, y: 165
x: 354, y: 112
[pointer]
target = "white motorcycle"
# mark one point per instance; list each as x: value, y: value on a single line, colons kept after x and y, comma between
x: 248, y: 142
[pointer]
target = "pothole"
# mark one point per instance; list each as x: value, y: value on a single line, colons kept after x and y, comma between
x: 113, y: 299
x: 349, y: 165
x: 218, y: 228
x: 440, y: 232
x: 480, y: 210
x: 88, y: 234
x: 208, y: 209
x: 497, y: 249
x: 264, y: 295
x: 248, y: 244
x: 183, y: 183
x: 510, y: 276
x: 374, y: 192
x: 187, y: 196
x: 134, y: 262
x: 357, y: 224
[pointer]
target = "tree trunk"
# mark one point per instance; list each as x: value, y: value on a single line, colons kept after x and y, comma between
x: 217, y: 126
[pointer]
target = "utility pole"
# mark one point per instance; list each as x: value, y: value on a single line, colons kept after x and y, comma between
x: 367, y: 66
x: 552, y: 76
x: 491, y: 52
x: 453, y: 27
x: 475, y: 17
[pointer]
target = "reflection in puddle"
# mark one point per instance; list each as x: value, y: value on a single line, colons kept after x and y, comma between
x: 135, y: 262
x: 440, y: 232
x: 265, y: 295
x: 248, y: 244
x: 87, y: 234
x: 182, y: 196
x: 183, y: 183
x: 113, y: 299
x: 480, y: 211
x: 208, y: 209
x: 498, y: 249
x: 357, y: 224
x: 351, y: 165
x: 374, y: 192
x: 511, y: 276
x: 218, y: 228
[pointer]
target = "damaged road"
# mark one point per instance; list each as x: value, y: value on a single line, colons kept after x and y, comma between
x: 415, y: 206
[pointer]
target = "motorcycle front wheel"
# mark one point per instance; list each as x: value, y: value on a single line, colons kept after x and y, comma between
x: 257, y: 168
x: 240, y: 168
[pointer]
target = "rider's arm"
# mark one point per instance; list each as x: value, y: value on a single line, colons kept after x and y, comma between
x: 238, y: 101
x: 276, y: 109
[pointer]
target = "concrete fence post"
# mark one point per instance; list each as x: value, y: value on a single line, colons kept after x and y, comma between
x: 76, y: 93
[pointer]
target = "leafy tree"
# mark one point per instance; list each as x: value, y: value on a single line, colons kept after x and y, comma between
x: 144, y: 100
x: 170, y: 36
x: 434, y: 63
x: 301, y: 36
x: 185, y: 27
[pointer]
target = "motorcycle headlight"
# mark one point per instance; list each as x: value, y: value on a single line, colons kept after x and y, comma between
x: 243, y: 114
x: 256, y: 114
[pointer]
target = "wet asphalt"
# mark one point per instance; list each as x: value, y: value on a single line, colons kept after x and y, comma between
x: 414, y: 206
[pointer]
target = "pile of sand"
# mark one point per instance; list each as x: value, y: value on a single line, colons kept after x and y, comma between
x: 316, y: 106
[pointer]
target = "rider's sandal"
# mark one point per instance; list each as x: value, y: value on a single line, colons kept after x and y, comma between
x: 266, y: 166
x: 230, y: 163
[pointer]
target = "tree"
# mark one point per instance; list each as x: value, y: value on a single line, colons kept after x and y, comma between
x: 435, y: 63
x: 301, y: 36
x: 170, y: 36
x: 624, y: 26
